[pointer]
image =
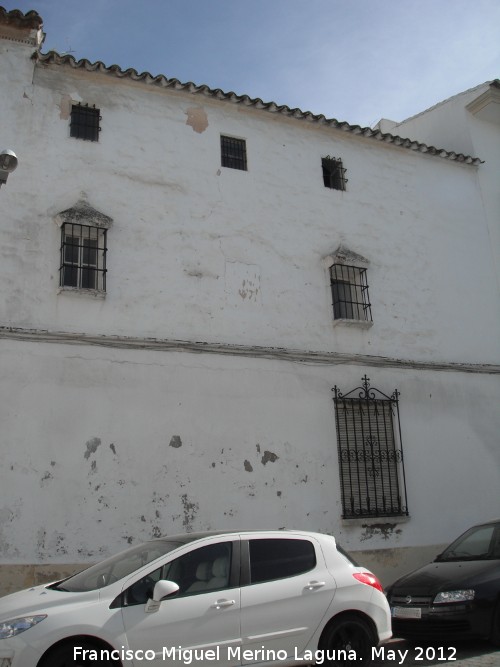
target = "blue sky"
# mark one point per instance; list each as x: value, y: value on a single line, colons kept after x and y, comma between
x: 354, y: 60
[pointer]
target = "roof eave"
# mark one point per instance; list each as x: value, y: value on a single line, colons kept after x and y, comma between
x: 54, y: 58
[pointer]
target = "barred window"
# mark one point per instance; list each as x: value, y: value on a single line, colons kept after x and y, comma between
x: 233, y: 153
x: 333, y: 173
x: 370, y: 452
x: 84, y: 122
x: 350, y: 293
x: 83, y: 257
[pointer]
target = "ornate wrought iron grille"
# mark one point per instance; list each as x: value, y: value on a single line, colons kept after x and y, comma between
x: 83, y: 257
x: 371, y: 464
x: 233, y: 153
x: 350, y: 296
x: 85, y: 122
x: 333, y: 173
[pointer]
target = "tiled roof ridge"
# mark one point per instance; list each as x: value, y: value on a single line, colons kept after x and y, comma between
x: 31, y: 19
x: 34, y: 20
x: 52, y: 57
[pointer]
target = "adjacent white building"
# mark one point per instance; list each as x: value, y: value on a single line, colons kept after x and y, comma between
x: 217, y: 312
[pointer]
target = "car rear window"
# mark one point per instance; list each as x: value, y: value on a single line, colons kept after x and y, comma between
x: 347, y: 556
x: 280, y: 558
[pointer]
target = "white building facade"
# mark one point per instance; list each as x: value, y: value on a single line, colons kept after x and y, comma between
x: 218, y: 313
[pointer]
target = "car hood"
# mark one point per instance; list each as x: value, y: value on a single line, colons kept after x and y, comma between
x: 39, y: 599
x: 436, y: 577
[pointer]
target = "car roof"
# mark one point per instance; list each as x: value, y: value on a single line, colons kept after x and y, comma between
x: 191, y: 537
x: 185, y: 538
x: 487, y: 523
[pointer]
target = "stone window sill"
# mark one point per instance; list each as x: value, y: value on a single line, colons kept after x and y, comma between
x: 79, y: 292
x: 375, y: 520
x: 360, y: 324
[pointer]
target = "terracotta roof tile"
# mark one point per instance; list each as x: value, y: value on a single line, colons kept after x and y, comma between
x: 15, y: 17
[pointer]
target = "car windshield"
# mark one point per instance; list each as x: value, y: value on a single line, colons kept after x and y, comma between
x: 112, y: 569
x: 478, y: 543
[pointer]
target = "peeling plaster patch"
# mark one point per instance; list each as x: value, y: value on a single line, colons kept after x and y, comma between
x: 40, y: 541
x: 384, y: 530
x: 47, y: 475
x: 65, y: 107
x: 176, y: 441
x: 92, y: 446
x: 58, y: 544
x: 269, y: 456
x: 6, y: 516
x: 197, y: 119
x: 190, y: 510
x: 248, y: 466
x: 242, y: 283
x: 103, y: 501
x: 249, y: 289
x: 113, y: 448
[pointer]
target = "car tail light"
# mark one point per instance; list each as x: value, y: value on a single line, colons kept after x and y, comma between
x: 369, y: 579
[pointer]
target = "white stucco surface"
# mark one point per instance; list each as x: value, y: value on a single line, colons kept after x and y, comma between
x: 196, y: 392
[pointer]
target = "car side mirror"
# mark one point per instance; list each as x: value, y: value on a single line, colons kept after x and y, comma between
x: 162, y: 589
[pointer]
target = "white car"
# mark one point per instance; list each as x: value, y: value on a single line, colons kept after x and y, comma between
x: 226, y: 598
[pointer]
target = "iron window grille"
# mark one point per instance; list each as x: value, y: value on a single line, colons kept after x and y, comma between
x: 84, y: 122
x: 333, y: 173
x: 370, y: 450
x: 83, y: 257
x: 351, y: 300
x: 233, y: 153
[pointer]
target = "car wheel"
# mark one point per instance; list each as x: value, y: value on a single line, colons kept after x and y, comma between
x: 346, y: 634
x: 495, y: 626
x: 64, y: 656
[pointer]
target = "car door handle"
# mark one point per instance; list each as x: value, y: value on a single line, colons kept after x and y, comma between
x: 220, y: 604
x: 313, y: 585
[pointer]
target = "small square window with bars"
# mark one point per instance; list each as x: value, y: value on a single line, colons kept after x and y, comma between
x: 84, y: 122
x: 350, y: 296
x: 333, y: 173
x: 83, y: 257
x: 233, y: 153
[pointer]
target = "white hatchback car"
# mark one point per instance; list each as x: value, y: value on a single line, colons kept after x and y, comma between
x: 226, y: 598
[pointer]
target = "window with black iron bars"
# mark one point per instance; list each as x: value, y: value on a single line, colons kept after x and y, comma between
x: 350, y: 296
x: 233, y: 153
x: 85, y: 122
x: 370, y: 453
x: 83, y: 257
x: 333, y: 173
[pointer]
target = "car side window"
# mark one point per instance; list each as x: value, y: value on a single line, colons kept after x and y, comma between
x: 280, y: 558
x: 199, y: 571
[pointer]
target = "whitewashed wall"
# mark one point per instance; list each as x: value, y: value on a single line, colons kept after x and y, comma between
x: 471, y: 124
x: 104, y: 445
